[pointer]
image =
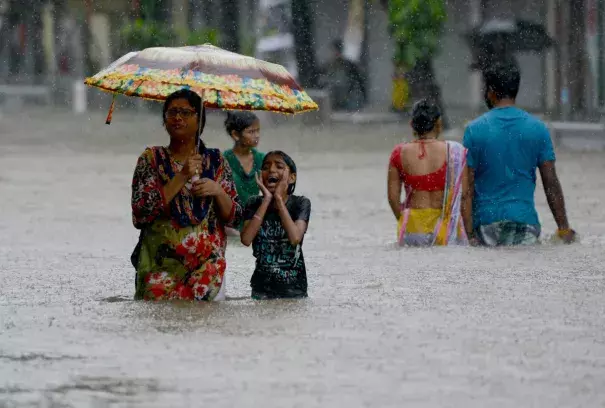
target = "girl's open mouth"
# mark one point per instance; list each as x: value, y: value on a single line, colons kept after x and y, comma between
x: 272, y: 180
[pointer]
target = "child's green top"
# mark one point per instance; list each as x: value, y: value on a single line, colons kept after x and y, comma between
x: 245, y: 183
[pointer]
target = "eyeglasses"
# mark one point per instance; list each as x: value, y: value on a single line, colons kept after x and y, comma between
x: 183, y: 113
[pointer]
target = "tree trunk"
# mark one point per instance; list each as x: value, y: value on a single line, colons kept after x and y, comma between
x: 6, y: 30
x: 36, y: 41
x: 230, y: 24
x: 59, y: 13
x: 577, y: 58
x: 87, y: 40
x: 423, y: 84
x: 302, y: 22
x: 14, y: 18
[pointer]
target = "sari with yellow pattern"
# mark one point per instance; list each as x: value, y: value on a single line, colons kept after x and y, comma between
x: 431, y: 226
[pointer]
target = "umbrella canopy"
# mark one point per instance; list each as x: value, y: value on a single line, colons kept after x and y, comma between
x: 518, y: 35
x: 224, y: 79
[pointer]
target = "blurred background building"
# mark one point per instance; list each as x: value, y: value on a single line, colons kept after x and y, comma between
x: 54, y: 42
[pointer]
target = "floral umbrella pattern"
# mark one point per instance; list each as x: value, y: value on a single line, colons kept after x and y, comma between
x: 224, y: 79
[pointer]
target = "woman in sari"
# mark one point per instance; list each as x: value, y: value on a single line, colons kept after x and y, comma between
x: 182, y: 199
x: 436, y: 209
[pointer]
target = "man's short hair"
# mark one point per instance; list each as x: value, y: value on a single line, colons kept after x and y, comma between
x: 503, y: 79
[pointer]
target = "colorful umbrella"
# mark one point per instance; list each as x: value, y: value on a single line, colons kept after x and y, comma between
x: 224, y: 80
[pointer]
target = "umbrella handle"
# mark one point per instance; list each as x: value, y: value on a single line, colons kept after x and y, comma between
x: 196, y: 177
x: 199, y: 129
x: 111, y: 108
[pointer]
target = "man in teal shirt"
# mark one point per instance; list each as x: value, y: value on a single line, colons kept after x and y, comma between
x: 505, y: 147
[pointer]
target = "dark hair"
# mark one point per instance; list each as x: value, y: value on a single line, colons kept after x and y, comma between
x: 503, y: 79
x: 425, y: 115
x: 289, y: 162
x: 239, y: 121
x: 195, y: 101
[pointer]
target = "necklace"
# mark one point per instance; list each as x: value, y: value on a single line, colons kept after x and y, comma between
x: 422, y: 142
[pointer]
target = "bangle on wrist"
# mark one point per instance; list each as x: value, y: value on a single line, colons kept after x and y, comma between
x: 563, y: 232
x: 257, y: 217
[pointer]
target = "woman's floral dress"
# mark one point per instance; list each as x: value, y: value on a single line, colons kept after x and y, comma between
x: 181, y: 249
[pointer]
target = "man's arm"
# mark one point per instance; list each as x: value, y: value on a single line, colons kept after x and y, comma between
x: 468, y: 193
x: 554, y: 194
x: 552, y: 187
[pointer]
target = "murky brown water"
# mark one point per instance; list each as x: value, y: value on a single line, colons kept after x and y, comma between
x: 382, y: 327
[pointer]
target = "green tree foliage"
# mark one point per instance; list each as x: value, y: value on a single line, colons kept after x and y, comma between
x: 416, y: 27
x: 151, y: 29
x: 142, y: 34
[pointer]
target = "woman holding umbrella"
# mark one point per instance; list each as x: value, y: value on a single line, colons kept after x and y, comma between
x: 183, y: 195
x: 181, y: 250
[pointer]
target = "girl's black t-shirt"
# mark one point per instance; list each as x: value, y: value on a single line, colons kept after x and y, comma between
x: 280, y: 266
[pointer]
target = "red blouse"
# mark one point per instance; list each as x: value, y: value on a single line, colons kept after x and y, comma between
x: 434, y: 181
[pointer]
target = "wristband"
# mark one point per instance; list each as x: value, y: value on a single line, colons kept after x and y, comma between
x: 562, y: 232
x: 258, y: 218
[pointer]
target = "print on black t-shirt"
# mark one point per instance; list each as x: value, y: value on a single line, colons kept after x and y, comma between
x: 280, y: 266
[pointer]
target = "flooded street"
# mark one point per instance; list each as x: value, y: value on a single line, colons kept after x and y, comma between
x: 382, y: 327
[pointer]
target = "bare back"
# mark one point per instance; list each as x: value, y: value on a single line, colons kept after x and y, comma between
x: 417, y: 161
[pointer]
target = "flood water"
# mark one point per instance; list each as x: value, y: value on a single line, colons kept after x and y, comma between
x: 383, y: 327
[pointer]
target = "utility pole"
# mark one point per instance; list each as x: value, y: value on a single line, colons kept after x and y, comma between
x: 302, y: 30
x: 230, y: 24
x: 13, y: 22
x: 87, y: 39
x: 35, y: 28
x: 549, y: 61
x: 4, y: 27
x: 601, y: 55
x: 577, y: 58
x: 564, y: 63
x: 476, y: 81
x: 61, y: 50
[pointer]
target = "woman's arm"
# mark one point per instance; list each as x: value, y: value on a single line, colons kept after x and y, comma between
x: 294, y: 230
x: 176, y: 184
x: 149, y: 197
x: 468, y: 188
x: 394, y: 191
x: 254, y: 216
x: 224, y: 205
x: 227, y: 201
x: 174, y: 187
x: 252, y: 226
